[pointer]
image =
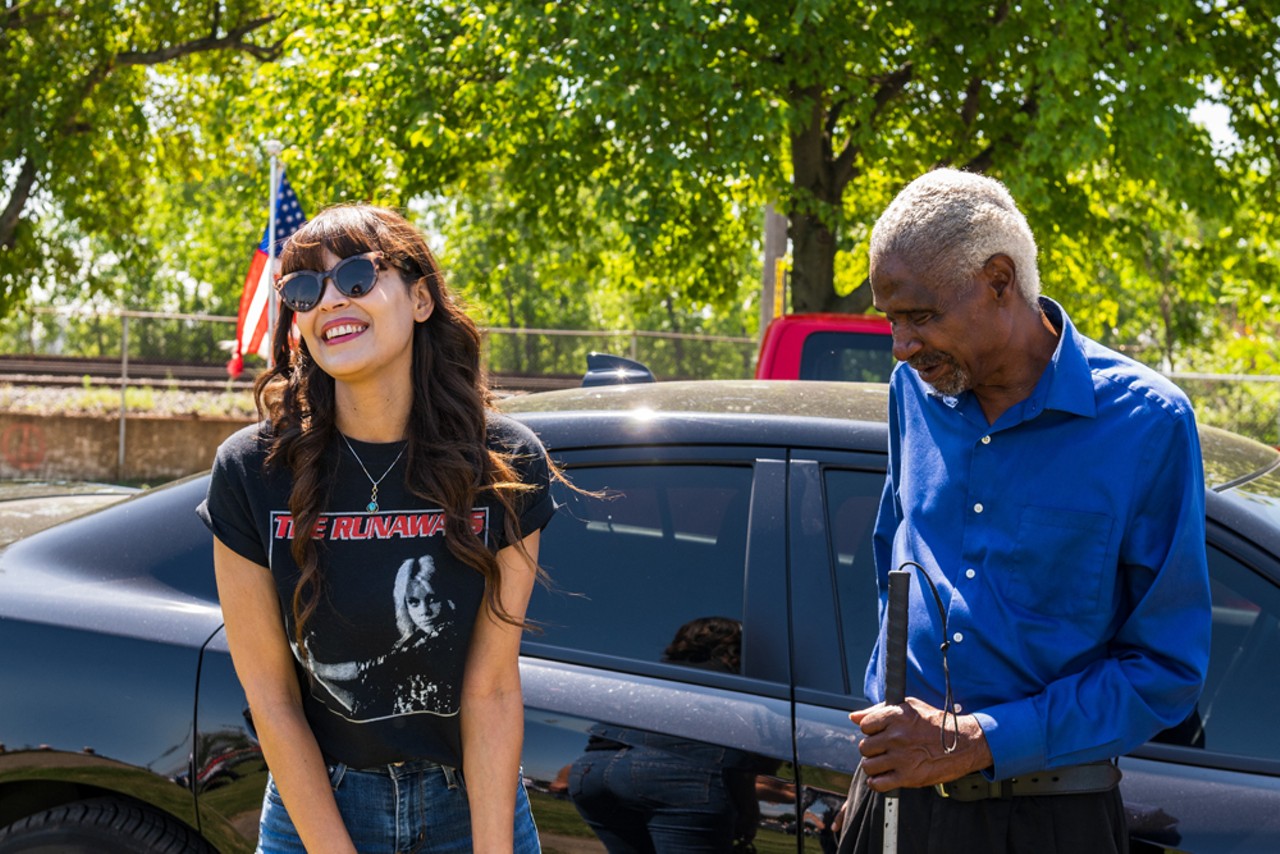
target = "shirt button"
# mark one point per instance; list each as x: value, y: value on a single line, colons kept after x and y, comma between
x: 986, y: 440
x: 977, y: 508
x: 969, y: 573
x: 957, y: 637
x: 958, y: 708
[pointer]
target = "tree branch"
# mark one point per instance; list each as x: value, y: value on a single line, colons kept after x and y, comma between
x: 16, y: 17
x: 833, y: 114
x: 233, y: 40
x: 969, y: 109
x: 984, y: 159
x: 72, y: 123
x: 890, y: 87
x: 17, y: 201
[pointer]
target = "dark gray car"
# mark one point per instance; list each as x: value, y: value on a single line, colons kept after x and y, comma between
x: 712, y: 611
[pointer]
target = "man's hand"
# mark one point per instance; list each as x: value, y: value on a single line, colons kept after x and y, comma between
x: 903, y: 746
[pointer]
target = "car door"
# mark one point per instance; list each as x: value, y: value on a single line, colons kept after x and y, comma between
x: 832, y: 502
x: 657, y: 686
x: 1209, y: 785
x: 1213, y: 783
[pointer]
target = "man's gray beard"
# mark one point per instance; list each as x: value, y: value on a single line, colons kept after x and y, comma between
x: 955, y: 381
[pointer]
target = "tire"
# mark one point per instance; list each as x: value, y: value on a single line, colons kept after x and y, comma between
x: 100, y: 826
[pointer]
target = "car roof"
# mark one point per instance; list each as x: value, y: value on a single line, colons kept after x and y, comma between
x: 1229, y: 458
x: 841, y: 400
x: 709, y: 412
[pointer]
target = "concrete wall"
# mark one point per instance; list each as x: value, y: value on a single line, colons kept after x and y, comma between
x: 86, y: 447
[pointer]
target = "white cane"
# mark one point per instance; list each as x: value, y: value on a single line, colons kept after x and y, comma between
x: 895, y: 680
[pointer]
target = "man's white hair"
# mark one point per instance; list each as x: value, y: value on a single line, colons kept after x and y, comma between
x: 947, y: 223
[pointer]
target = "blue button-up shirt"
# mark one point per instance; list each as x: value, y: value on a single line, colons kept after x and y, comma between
x: 1067, y: 543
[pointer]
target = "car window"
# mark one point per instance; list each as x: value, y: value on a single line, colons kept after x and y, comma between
x: 657, y: 547
x: 847, y: 357
x: 1236, y: 712
x: 852, y: 498
x: 1262, y: 495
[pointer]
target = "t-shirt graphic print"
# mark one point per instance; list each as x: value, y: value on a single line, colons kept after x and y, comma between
x: 407, y: 623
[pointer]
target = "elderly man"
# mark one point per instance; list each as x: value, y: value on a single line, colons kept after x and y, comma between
x: 1051, y: 491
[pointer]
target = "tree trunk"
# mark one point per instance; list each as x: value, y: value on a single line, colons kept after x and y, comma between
x: 820, y: 175
x: 813, y: 269
x: 814, y: 206
x: 857, y: 301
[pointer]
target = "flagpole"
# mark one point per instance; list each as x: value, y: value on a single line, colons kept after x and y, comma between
x: 273, y: 148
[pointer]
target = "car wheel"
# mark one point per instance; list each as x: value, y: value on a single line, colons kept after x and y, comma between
x: 99, y: 826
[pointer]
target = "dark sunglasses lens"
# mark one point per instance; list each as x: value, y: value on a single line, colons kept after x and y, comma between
x: 302, y: 292
x: 356, y: 277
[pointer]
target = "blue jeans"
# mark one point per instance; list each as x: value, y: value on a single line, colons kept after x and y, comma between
x: 645, y: 799
x: 413, y: 808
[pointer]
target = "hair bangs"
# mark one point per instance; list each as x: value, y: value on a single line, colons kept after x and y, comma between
x: 344, y: 231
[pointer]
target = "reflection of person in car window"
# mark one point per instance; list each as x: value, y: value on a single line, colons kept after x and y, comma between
x: 641, y: 791
x: 711, y: 642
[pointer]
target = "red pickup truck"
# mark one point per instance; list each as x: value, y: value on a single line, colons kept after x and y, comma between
x: 848, y: 347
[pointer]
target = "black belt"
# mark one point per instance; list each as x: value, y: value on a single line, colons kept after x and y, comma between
x: 1071, y: 780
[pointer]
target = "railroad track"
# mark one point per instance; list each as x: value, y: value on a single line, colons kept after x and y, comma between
x: 59, y: 371
x: 52, y: 370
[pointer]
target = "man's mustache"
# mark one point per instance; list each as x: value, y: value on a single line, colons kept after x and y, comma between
x: 923, y: 363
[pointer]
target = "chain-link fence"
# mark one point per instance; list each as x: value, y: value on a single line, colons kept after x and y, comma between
x: 190, y: 351
x: 189, y: 348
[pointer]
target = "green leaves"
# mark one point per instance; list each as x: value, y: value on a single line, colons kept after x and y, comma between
x: 81, y: 105
x: 596, y: 162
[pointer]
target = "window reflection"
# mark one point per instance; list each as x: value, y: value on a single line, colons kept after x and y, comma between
x: 645, y: 791
x: 664, y: 544
x: 1236, y: 710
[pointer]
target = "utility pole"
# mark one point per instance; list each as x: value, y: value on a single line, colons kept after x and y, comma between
x: 773, y: 293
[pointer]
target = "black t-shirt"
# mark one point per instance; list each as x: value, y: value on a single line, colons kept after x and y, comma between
x: 387, y: 645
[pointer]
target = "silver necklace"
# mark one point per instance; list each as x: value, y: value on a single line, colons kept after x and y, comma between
x: 372, y: 506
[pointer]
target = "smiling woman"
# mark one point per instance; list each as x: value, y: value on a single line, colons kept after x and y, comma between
x: 400, y: 519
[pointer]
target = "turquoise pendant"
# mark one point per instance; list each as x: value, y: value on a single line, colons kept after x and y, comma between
x: 372, y: 507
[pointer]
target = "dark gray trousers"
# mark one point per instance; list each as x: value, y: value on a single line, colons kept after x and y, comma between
x: 930, y: 824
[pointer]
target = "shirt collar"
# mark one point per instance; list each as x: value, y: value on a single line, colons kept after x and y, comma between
x: 1067, y: 382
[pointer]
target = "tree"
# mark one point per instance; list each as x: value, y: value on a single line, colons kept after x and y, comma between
x: 655, y: 132
x: 78, y: 107
x: 684, y: 113
x: 522, y: 277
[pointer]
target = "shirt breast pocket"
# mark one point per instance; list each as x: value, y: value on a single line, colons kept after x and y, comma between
x: 1060, y: 561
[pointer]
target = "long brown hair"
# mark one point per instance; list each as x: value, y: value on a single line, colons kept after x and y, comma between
x: 448, y: 460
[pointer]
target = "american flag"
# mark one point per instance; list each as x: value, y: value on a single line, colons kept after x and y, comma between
x: 252, y: 332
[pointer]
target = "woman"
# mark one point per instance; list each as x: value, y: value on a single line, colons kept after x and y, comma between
x: 399, y: 518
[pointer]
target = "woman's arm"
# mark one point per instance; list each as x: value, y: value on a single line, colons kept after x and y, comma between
x: 492, y: 707
x: 264, y: 663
